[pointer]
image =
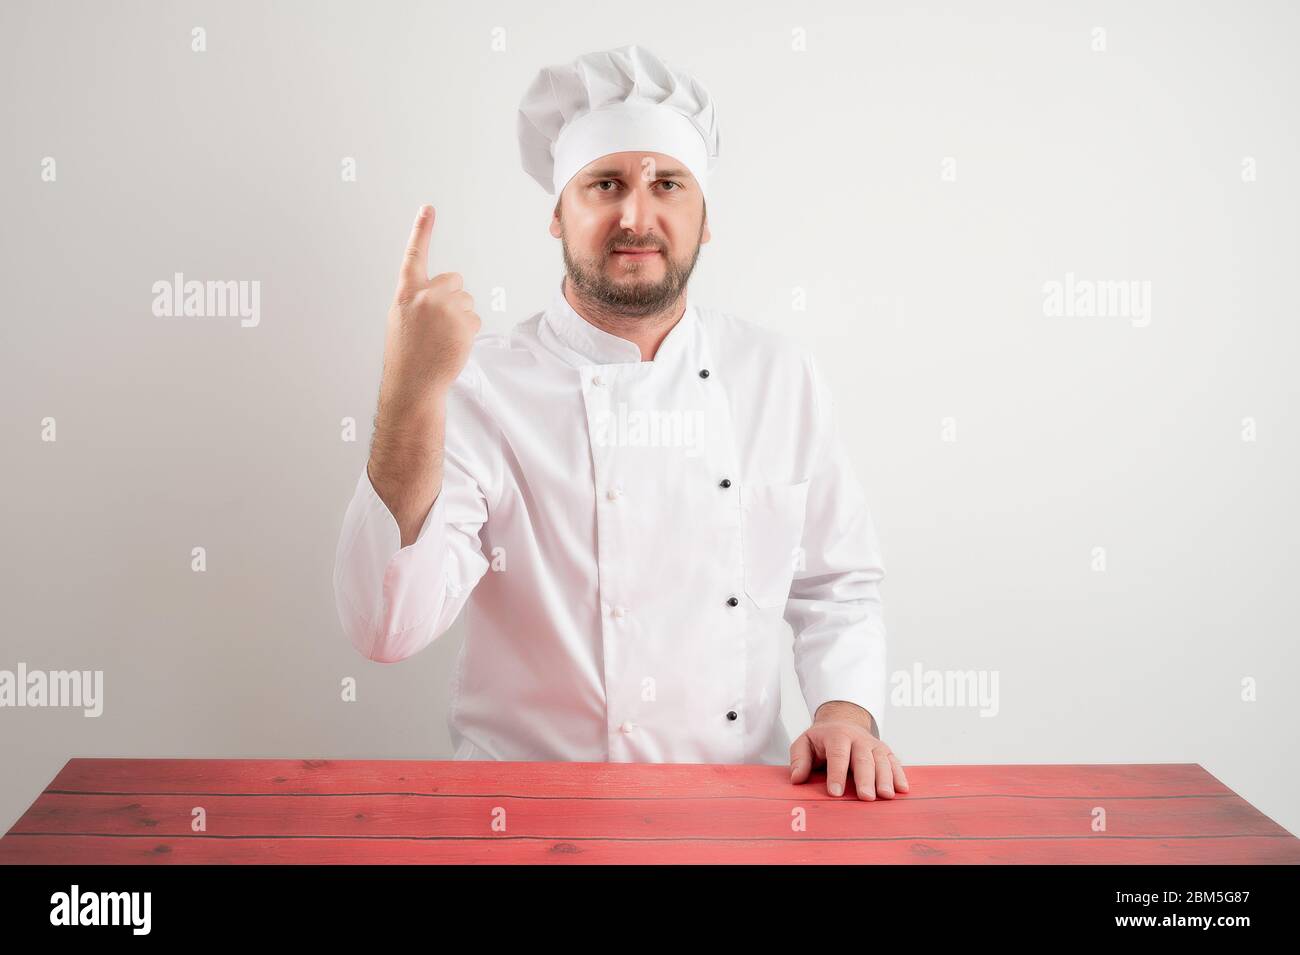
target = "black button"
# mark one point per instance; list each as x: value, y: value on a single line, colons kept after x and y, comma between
x: 725, y: 482
x: 732, y: 601
x: 704, y: 373
x: 731, y: 714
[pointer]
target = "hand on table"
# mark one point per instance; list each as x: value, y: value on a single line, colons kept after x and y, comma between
x: 842, y: 737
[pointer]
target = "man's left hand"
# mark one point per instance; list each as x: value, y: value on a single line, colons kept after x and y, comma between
x: 842, y: 737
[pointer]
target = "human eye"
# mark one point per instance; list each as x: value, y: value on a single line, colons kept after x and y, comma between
x: 600, y: 182
x: 673, y: 182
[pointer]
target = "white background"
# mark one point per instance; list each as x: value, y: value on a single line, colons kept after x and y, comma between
x: 924, y: 302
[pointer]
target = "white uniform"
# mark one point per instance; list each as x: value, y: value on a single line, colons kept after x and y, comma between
x: 630, y: 539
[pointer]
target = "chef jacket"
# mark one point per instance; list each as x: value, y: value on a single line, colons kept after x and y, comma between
x: 631, y: 541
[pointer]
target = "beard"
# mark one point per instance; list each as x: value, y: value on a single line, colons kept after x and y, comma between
x: 633, y: 292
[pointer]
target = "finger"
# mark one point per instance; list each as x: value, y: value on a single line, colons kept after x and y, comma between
x: 864, y: 771
x: 801, y: 759
x: 838, y: 748
x: 884, y: 774
x: 415, y: 263
x: 447, y: 282
x: 464, y: 300
x: 900, y: 777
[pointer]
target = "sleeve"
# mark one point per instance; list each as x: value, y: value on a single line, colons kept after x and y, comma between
x: 834, y: 608
x: 393, y: 601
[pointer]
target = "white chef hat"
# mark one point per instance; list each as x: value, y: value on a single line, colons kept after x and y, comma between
x: 619, y: 100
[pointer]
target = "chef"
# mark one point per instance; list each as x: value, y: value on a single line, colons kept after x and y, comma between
x: 635, y: 498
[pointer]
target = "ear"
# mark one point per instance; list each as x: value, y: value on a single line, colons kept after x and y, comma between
x: 704, y: 232
x: 555, y: 220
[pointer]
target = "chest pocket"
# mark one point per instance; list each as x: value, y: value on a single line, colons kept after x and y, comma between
x: 771, y: 529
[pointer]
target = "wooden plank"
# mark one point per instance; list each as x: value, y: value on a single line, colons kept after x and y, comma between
x: 605, y: 779
x: 720, y: 817
x: 1097, y: 849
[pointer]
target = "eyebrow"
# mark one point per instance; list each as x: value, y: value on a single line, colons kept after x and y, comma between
x: 618, y: 174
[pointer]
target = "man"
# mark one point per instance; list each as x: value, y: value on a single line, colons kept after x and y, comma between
x: 630, y: 494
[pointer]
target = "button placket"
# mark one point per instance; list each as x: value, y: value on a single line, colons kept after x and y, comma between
x: 597, y: 398
x: 722, y: 458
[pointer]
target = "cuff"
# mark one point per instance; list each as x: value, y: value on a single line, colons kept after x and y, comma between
x: 388, y: 588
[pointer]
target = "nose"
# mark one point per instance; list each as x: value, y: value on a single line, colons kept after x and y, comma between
x: 637, y: 214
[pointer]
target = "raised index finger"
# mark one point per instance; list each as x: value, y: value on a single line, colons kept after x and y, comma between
x: 415, y: 262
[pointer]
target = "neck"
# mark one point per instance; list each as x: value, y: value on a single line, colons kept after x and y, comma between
x: 647, y: 332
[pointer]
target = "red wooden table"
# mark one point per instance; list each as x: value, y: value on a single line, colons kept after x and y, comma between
x: 112, y: 811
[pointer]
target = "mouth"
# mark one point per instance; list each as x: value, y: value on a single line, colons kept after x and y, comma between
x: 636, y: 254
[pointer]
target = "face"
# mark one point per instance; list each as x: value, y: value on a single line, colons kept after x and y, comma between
x: 631, y: 225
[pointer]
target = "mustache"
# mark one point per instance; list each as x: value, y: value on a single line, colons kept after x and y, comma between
x: 633, y: 245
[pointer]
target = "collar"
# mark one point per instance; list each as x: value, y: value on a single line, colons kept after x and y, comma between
x: 595, y: 346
